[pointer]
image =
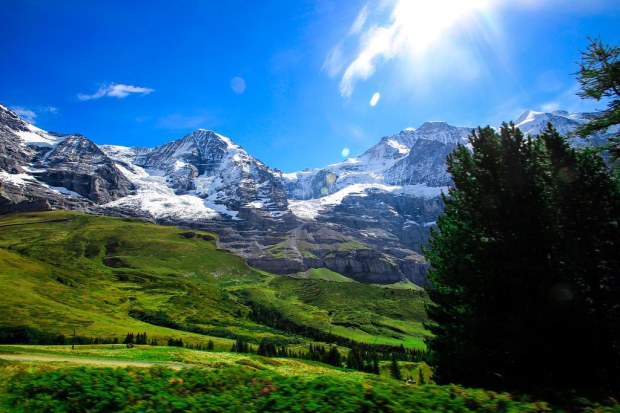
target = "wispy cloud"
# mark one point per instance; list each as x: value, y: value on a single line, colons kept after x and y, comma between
x: 30, y: 115
x: 399, y: 29
x: 378, y: 43
x: 26, y: 114
x: 359, y: 22
x: 116, y: 90
x: 334, y: 61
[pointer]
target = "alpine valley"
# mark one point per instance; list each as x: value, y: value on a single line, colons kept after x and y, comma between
x: 366, y: 218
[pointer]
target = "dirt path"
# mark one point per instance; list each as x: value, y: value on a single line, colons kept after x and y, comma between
x: 83, y: 360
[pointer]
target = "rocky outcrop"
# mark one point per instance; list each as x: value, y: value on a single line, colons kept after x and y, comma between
x: 40, y: 170
x: 78, y: 165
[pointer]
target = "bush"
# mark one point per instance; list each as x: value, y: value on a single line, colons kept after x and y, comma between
x: 237, y: 389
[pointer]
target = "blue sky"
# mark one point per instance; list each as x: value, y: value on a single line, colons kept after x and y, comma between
x: 299, y: 84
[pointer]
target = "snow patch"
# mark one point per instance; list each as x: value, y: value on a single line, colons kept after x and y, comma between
x: 63, y: 190
x: 16, y: 179
x: 311, y: 208
x: 36, y: 137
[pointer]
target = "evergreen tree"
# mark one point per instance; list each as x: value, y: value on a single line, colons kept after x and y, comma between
x: 525, y: 265
x: 420, y: 376
x: 210, y: 345
x: 599, y: 76
x: 395, y: 368
x: 333, y: 357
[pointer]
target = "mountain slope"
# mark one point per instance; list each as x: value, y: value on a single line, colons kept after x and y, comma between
x: 109, y: 276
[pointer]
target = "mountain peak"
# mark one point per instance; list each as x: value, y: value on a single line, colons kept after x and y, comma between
x: 528, y: 116
x: 433, y: 125
x: 201, y: 136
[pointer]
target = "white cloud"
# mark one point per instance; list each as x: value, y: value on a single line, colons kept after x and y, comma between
x: 25, y: 114
x: 376, y: 44
x: 116, y: 90
x: 359, y: 22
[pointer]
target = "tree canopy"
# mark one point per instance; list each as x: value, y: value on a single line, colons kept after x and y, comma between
x: 525, y: 266
x: 599, y: 77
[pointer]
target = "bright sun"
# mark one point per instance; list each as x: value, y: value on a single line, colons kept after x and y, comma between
x: 419, y: 23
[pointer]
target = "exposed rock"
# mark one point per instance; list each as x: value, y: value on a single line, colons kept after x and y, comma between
x: 367, y: 218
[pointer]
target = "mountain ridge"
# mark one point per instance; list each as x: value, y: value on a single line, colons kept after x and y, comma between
x: 348, y: 216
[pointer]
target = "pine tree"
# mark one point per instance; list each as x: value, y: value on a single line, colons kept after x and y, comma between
x: 526, y: 257
x: 395, y: 368
x: 420, y: 376
x: 333, y: 357
x: 599, y: 76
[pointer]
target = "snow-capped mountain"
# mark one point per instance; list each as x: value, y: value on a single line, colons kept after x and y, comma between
x: 366, y: 217
x: 44, y: 170
x: 206, y: 172
x: 411, y: 157
x: 533, y: 123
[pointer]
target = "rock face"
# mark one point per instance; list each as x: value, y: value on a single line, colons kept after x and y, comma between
x: 78, y: 165
x: 211, y: 169
x: 42, y: 170
x: 367, y: 218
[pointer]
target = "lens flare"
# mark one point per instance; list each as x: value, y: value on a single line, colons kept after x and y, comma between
x: 374, y: 99
x: 345, y: 152
x: 237, y: 84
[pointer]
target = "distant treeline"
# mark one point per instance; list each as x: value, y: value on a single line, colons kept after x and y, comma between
x: 275, y: 318
x: 31, y: 335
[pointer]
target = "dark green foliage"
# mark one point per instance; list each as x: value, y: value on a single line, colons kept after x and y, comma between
x: 129, y: 339
x: 173, y: 342
x: 599, y: 76
x: 395, y: 369
x: 526, y: 266
x: 333, y: 357
x: 267, y: 348
x: 210, y: 345
x: 240, y: 346
x: 31, y: 335
x: 157, y: 318
x: 238, y: 390
x: 319, y: 353
x: 366, y: 359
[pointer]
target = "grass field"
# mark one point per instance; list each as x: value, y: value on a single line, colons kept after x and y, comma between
x: 63, y: 270
x: 100, y: 379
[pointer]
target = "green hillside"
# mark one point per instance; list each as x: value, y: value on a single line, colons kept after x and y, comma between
x: 106, y: 277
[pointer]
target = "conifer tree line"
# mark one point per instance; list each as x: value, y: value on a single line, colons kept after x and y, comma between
x: 135, y: 339
x: 526, y: 266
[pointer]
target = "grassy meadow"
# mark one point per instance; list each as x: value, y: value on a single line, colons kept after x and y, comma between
x: 106, y: 277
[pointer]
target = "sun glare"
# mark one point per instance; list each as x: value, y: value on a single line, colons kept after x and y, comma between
x: 419, y: 23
